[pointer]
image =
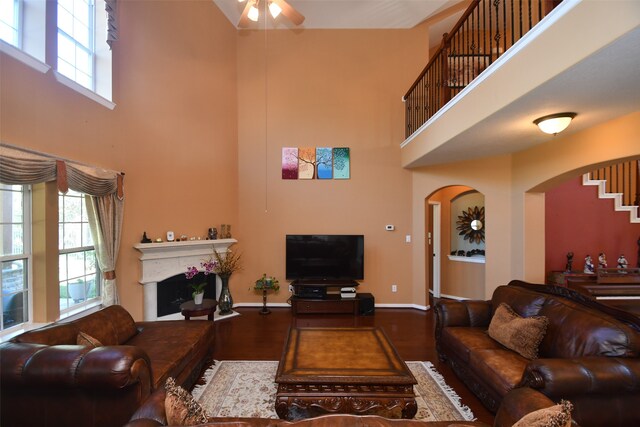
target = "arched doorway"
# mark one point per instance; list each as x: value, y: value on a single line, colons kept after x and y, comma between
x: 454, y: 255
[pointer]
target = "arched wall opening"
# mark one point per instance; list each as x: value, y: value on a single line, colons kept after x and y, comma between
x: 446, y: 273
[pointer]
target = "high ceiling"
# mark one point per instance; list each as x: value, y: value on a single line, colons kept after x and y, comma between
x: 348, y: 14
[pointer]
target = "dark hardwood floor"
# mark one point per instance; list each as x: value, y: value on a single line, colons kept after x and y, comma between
x: 252, y: 336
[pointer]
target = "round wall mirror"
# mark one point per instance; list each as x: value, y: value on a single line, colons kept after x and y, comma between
x: 476, y: 224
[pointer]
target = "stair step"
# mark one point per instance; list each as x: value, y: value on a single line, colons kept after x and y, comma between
x: 634, y: 214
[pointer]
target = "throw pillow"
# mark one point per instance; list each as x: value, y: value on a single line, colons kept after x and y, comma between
x: 520, y: 334
x: 180, y: 406
x: 87, y: 340
x: 555, y: 416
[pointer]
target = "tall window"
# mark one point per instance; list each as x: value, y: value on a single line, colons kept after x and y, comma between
x: 78, y: 271
x: 75, y: 41
x: 10, y: 21
x: 15, y: 254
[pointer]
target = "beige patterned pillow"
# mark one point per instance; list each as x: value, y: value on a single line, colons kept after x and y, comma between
x: 555, y: 416
x: 520, y: 334
x: 180, y: 406
x: 87, y: 340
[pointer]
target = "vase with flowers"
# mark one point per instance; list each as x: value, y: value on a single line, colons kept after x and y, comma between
x: 208, y: 267
x: 224, y: 267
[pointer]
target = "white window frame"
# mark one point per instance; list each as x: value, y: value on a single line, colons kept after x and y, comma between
x: 89, y: 302
x: 27, y: 256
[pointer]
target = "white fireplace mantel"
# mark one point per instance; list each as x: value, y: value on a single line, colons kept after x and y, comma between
x: 163, y: 260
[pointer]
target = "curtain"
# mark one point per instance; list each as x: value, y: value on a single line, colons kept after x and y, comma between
x: 105, y: 220
x: 105, y: 199
x: 112, y: 25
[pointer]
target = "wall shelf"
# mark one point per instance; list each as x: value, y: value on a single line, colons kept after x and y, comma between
x: 478, y: 259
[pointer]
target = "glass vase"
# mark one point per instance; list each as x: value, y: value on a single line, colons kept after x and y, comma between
x: 225, y: 302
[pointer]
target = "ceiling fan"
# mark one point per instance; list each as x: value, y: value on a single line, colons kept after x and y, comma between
x: 251, y: 11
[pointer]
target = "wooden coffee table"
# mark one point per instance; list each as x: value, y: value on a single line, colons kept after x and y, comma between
x: 343, y: 370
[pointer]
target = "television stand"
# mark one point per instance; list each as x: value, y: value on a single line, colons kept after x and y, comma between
x: 313, y: 298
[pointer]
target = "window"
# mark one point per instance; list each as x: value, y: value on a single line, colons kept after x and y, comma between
x: 79, y: 52
x: 15, y: 255
x: 78, y: 270
x: 75, y: 41
x: 9, y: 21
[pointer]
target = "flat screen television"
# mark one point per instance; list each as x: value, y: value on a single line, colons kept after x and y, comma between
x: 325, y: 257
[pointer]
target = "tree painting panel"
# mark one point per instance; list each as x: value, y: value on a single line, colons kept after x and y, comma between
x: 324, y: 162
x: 306, y: 163
x: 289, y: 163
x: 341, y: 163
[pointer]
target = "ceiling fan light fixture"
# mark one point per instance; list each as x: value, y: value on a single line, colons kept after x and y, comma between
x: 274, y: 9
x: 254, y: 13
x: 553, y: 124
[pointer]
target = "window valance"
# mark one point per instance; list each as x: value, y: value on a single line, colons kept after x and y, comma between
x: 19, y: 166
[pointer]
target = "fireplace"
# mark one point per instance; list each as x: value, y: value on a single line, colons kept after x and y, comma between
x: 176, y: 290
x: 164, y: 263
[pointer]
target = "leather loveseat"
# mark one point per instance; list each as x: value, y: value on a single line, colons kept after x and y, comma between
x: 46, y: 379
x: 515, y: 405
x: 588, y: 355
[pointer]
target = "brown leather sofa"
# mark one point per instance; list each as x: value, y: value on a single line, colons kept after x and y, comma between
x: 589, y: 354
x: 48, y: 380
x: 515, y: 405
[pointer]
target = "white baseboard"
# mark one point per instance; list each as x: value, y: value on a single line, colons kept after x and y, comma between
x: 283, y: 304
x: 453, y: 297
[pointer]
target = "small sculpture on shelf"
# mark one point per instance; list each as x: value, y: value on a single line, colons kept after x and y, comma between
x: 588, y: 265
x: 212, y: 233
x: 602, y: 260
x: 622, y: 261
x: 569, y: 267
x: 145, y: 239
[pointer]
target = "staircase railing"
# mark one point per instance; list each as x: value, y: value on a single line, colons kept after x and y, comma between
x: 623, y: 178
x: 484, y: 32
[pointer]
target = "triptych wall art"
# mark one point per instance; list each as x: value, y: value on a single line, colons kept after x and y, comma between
x: 316, y: 163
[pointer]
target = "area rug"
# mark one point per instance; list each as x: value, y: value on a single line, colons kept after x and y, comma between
x: 246, y: 389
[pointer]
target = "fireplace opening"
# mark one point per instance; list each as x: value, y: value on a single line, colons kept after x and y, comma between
x: 175, y: 290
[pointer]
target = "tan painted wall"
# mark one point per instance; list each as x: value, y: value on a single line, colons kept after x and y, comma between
x: 514, y: 200
x: 173, y: 131
x: 335, y: 89
x: 489, y: 176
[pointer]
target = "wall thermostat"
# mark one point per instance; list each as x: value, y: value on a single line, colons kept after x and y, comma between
x: 170, y: 236
x: 390, y: 227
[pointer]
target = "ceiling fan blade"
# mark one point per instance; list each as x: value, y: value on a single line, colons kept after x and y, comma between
x: 287, y: 10
x: 244, y: 18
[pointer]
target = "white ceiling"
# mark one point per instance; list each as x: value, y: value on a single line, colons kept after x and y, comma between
x: 347, y: 14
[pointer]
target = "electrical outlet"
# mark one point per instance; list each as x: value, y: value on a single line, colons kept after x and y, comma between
x: 291, y: 288
x: 394, y: 288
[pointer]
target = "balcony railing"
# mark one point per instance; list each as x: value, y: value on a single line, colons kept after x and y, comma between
x: 623, y: 178
x: 484, y: 32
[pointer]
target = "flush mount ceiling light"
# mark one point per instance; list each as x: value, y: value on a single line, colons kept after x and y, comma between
x: 276, y: 7
x: 554, y: 123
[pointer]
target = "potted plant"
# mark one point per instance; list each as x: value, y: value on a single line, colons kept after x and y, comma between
x: 198, y: 288
x: 264, y: 284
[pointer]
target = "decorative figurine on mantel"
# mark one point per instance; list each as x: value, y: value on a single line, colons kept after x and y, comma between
x: 569, y: 266
x: 622, y: 261
x: 145, y: 239
x: 602, y: 260
x: 588, y: 265
x: 213, y: 233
